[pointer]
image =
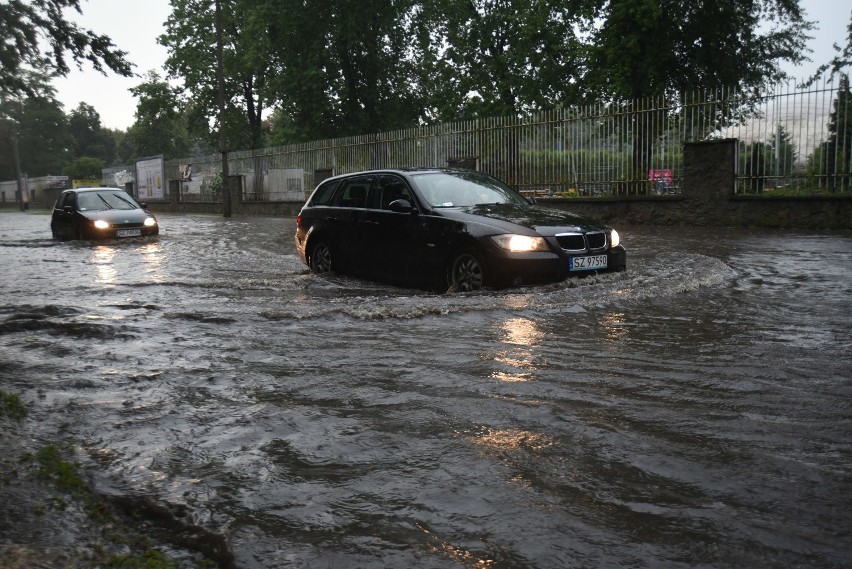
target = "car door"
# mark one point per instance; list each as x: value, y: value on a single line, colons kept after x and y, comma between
x: 63, y: 220
x: 343, y: 219
x: 394, y: 241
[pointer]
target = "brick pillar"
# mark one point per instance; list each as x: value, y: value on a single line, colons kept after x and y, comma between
x: 709, y: 179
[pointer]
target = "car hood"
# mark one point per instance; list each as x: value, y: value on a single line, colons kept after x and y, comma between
x: 506, y: 217
x: 117, y: 216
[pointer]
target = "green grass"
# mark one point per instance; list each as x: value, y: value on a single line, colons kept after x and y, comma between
x: 148, y: 560
x: 11, y: 405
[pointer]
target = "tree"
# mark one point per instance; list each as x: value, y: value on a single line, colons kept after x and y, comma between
x: 85, y: 168
x: 89, y: 139
x: 37, y: 35
x: 660, y: 48
x: 39, y: 129
x: 160, y: 126
x: 342, y: 68
x: 483, y: 58
x: 839, y: 145
x: 784, y: 152
x: 831, y: 161
x: 189, y: 35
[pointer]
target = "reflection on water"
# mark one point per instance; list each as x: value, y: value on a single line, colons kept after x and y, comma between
x: 521, y: 335
x: 615, y: 324
x: 102, y: 258
x: 509, y: 439
x: 152, y: 257
x: 463, y: 557
x: 126, y: 262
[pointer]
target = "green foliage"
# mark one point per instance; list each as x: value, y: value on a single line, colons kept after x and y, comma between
x: 39, y: 127
x: 349, y: 67
x: 214, y: 189
x: 89, y: 139
x: 37, y: 35
x: 647, y: 48
x: 11, y: 406
x: 832, y: 160
x: 342, y: 68
x: 485, y: 59
x: 191, y: 40
x: 160, y: 126
x: 85, y: 168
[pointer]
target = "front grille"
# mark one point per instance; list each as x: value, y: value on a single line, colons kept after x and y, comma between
x: 578, y: 242
x: 571, y: 241
x: 596, y: 240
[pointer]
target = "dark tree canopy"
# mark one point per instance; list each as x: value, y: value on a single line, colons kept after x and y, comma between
x: 343, y: 68
x: 35, y: 34
x: 160, y: 126
x: 89, y: 138
x: 190, y: 36
x: 38, y: 126
x: 485, y: 59
x: 648, y: 48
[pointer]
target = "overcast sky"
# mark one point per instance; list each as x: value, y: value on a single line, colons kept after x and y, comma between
x: 134, y: 27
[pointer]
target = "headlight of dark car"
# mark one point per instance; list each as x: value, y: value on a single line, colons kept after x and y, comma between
x: 101, y: 224
x: 614, y: 239
x: 520, y: 243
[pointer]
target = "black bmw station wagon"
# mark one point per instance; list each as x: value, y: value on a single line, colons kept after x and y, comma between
x: 447, y: 230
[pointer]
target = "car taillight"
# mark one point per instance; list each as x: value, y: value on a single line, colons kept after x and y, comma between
x: 299, y: 221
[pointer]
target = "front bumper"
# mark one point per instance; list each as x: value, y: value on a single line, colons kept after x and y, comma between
x: 512, y: 269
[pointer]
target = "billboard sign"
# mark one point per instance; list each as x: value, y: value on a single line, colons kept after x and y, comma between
x: 151, y: 178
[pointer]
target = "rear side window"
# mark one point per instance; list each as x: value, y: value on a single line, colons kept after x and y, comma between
x: 353, y: 192
x: 323, y: 194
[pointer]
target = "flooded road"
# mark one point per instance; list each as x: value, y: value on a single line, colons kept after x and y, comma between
x: 693, y: 411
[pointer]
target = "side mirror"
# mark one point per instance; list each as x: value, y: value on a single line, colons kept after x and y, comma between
x: 68, y: 209
x: 401, y: 206
x: 532, y: 201
x: 143, y: 205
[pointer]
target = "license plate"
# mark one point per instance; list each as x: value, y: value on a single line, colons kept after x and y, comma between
x: 587, y: 263
x: 128, y: 233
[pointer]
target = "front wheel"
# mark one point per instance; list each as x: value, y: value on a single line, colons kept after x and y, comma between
x: 466, y: 272
x: 321, y: 258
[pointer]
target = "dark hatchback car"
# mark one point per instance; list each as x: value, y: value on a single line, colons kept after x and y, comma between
x: 447, y: 230
x: 100, y: 213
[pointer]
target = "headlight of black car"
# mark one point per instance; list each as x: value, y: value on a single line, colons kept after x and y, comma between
x: 614, y: 239
x: 520, y: 243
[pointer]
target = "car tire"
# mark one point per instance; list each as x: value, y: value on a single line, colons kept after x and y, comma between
x: 466, y: 272
x: 321, y: 258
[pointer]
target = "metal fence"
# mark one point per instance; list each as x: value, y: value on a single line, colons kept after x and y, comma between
x: 785, y: 141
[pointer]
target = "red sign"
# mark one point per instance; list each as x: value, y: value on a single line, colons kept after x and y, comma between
x: 660, y: 175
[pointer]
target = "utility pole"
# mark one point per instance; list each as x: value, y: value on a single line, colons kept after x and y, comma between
x: 22, y: 190
x: 223, y: 139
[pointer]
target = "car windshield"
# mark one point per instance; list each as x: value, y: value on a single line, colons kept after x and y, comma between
x: 95, y: 201
x: 464, y: 189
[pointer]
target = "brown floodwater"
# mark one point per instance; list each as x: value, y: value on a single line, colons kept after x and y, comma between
x: 693, y: 411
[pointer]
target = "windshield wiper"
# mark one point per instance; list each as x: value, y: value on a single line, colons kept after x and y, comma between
x: 105, y: 202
